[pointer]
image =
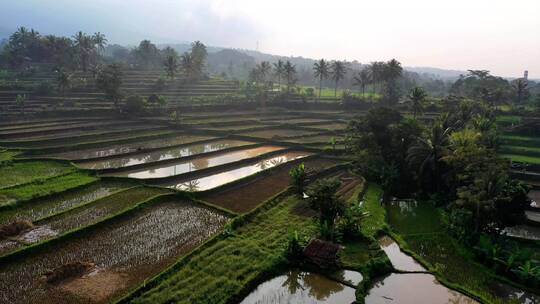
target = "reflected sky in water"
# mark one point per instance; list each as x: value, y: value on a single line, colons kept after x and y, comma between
x: 215, y: 180
x: 198, y: 163
x: 300, y: 288
x: 417, y: 288
x: 165, y: 154
x: 129, y: 147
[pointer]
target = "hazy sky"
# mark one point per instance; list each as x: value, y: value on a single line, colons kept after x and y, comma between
x: 501, y: 36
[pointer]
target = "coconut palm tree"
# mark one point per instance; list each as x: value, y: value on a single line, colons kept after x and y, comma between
x: 362, y: 80
x: 63, y: 80
x: 338, y: 70
x: 171, y: 65
x: 263, y: 70
x: 426, y: 154
x: 188, y: 65
x: 520, y: 85
x: 290, y: 75
x: 84, y: 45
x: 416, y: 97
x: 279, y: 70
x: 376, y: 72
x: 100, y: 41
x: 321, y: 70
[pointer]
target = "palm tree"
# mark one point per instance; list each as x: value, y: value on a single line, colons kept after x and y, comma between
x: 426, y: 154
x: 63, y: 82
x: 290, y: 75
x: 362, y: 80
x: 338, y: 70
x: 416, y: 97
x: 188, y: 65
x: 171, y: 65
x: 84, y: 45
x: 376, y: 72
x: 263, y: 70
x: 321, y: 70
x: 198, y: 54
x: 100, y: 41
x: 279, y: 70
x: 520, y: 85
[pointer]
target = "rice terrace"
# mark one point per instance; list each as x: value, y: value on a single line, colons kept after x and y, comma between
x: 139, y: 168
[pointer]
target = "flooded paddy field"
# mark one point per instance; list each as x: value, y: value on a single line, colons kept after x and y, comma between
x: 326, y: 139
x: 84, y: 215
x: 413, y: 288
x: 38, y: 209
x: 168, y: 140
x: 64, y: 134
x: 301, y: 287
x: 198, y: 163
x: 245, y: 197
x: 218, y: 179
x: 62, y: 130
x: 105, y: 139
x: 278, y: 133
x: 419, y: 224
x: 335, y: 126
x: 42, y: 127
x: 163, y: 154
x: 124, y: 253
x: 399, y: 260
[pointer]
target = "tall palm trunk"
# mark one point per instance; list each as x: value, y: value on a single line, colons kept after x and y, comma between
x: 335, y: 89
x: 320, y: 86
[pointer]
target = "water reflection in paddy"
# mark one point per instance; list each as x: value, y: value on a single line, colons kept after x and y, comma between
x: 301, y: 288
x: 129, y: 147
x: 165, y: 154
x: 399, y: 260
x: 414, y: 288
x: 198, y: 163
x: 215, y: 180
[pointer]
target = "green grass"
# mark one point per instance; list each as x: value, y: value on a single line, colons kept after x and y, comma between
x: 420, y: 230
x: 375, y: 221
x: 523, y: 158
x: 17, y: 173
x: 225, y: 268
x: 40, y: 188
x: 6, y: 155
x: 517, y: 140
x: 521, y: 150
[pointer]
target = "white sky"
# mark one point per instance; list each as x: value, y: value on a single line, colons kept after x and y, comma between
x: 500, y: 36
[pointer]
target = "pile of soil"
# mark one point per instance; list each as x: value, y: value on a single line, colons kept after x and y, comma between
x: 68, y: 271
x: 15, y: 228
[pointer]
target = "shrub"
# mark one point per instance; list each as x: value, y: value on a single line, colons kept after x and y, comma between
x: 160, y: 84
x: 295, y: 244
x: 134, y: 104
x: 298, y: 179
x: 44, y: 88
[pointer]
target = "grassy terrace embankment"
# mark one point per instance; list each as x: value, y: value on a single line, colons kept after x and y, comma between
x: 420, y: 233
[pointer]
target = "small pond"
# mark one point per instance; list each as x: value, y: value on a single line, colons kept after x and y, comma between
x: 301, y: 287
